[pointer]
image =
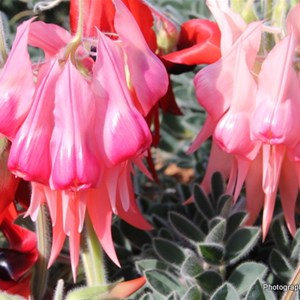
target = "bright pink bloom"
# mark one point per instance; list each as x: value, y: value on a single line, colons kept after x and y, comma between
x: 85, y: 127
x: 16, y: 84
x: 253, y: 119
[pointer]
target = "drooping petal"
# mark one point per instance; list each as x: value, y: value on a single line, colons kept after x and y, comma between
x: 232, y: 132
x: 214, y: 83
x: 125, y: 289
x: 254, y: 192
x: 273, y: 156
x: 58, y: 234
x: 288, y: 189
x: 55, y: 38
x: 230, y: 23
x: 219, y: 161
x: 148, y: 76
x: 29, y: 156
x: 16, y: 84
x: 275, y: 119
x: 75, y: 158
x: 122, y: 121
x: 199, y: 43
x: 96, y: 14
x: 141, y: 12
x: 99, y: 210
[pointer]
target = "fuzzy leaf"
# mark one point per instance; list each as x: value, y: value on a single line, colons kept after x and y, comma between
x: 211, y: 253
x: 193, y: 293
x: 245, y: 274
x: 173, y: 296
x: 280, y: 266
x: 224, y: 205
x: 241, y: 243
x: 256, y: 292
x: 234, y: 221
x: 147, y: 296
x: 162, y: 282
x: 209, y: 281
x: 191, y: 266
x: 168, y: 251
x: 185, y: 227
x: 150, y: 264
x: 203, y: 203
x: 225, y: 292
x: 136, y: 236
x: 217, y: 233
x: 280, y: 236
x: 217, y: 185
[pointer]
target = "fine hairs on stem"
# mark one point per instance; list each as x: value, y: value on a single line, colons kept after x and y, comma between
x: 45, y: 5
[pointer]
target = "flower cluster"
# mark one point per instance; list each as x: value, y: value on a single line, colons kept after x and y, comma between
x: 251, y: 96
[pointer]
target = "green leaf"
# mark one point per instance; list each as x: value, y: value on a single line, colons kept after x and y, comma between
x: 203, y: 203
x: 6, y: 296
x: 168, y: 251
x: 147, y: 296
x: 185, y: 227
x: 234, y: 222
x: 217, y: 233
x: 136, y: 236
x: 191, y: 266
x: 280, y: 266
x: 241, y: 243
x: 173, y: 296
x: 193, y: 293
x: 256, y: 292
x: 211, y: 253
x: 280, y: 236
x: 224, y: 205
x: 87, y: 293
x: 150, y: 264
x: 225, y: 292
x: 217, y: 185
x: 245, y: 274
x: 162, y: 282
x: 209, y: 281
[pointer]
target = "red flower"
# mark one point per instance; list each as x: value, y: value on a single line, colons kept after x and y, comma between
x: 17, y: 260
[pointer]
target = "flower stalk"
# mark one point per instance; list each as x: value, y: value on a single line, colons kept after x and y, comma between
x: 43, y: 233
x: 92, y: 256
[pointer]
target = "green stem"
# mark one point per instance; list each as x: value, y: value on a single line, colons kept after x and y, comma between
x: 43, y: 233
x: 92, y: 257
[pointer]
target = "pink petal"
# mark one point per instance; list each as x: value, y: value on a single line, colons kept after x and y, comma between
x: 272, y: 162
x: 16, y: 84
x: 29, y: 156
x: 48, y: 37
x: 75, y: 157
x: 58, y: 234
x: 99, y: 210
x: 205, y: 132
x: 254, y: 192
x: 275, y: 120
x: 148, y: 75
x: 36, y: 200
x: 122, y: 121
x: 219, y: 161
x: 288, y: 188
x: 232, y: 132
x: 230, y: 23
x: 214, y: 83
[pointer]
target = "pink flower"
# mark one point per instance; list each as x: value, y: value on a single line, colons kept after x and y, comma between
x: 85, y: 126
x: 253, y: 118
